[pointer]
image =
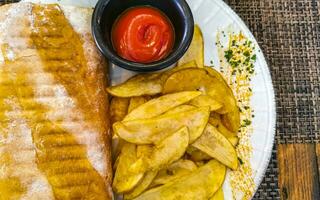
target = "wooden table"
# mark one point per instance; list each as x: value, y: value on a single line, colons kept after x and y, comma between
x: 299, y: 169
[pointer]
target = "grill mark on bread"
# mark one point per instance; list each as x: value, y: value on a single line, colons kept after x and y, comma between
x: 59, y: 154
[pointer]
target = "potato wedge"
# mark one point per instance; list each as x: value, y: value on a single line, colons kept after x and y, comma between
x: 144, y: 150
x: 124, y: 180
x: 215, y: 120
x: 234, y: 140
x: 139, y: 85
x: 178, y: 109
x: 231, y: 120
x: 169, y: 149
x: 142, y: 186
x: 206, y: 100
x: 196, y: 49
x: 151, y: 131
x: 199, y: 80
x: 218, y: 195
x: 145, y: 84
x: 217, y: 146
x: 118, y: 108
x: 227, y: 133
x: 117, y: 144
x: 160, y: 105
x: 219, y: 76
x: 164, y: 153
x: 190, y: 64
x: 173, y: 172
x: 200, y: 184
x: 136, y: 102
x: 196, y: 155
x: 182, y: 164
x: 166, y: 74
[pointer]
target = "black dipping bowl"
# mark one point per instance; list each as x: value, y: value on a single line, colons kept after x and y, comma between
x: 107, y: 11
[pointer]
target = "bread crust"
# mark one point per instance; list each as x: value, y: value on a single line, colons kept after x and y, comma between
x: 47, y: 100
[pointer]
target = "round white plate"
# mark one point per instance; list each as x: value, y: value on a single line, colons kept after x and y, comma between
x: 212, y: 16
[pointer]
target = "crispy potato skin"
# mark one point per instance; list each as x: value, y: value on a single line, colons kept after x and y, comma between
x: 201, y: 184
x: 217, y: 146
x: 160, y: 105
x: 118, y: 109
x: 153, y: 130
x: 196, y: 79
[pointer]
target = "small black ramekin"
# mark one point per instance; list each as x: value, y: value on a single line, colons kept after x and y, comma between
x: 107, y: 11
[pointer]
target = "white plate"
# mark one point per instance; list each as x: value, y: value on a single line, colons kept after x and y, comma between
x: 212, y: 16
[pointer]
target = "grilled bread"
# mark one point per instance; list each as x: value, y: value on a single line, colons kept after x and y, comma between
x: 54, y: 130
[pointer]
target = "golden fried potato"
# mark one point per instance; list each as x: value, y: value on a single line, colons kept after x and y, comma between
x: 196, y: 155
x: 144, y: 150
x: 124, y: 180
x: 215, y: 120
x: 222, y: 129
x: 164, y: 153
x: 146, y: 84
x: 196, y: 49
x: 139, y: 85
x: 199, y: 80
x: 137, y: 101
x: 231, y: 120
x: 206, y: 100
x: 118, y: 108
x: 219, y: 76
x: 182, y: 164
x: 200, y: 184
x: 160, y: 105
x: 142, y: 186
x: 173, y: 172
x: 151, y: 131
x: 190, y: 64
x: 116, y: 145
x: 166, y: 74
x: 217, y: 146
x: 218, y: 195
x: 234, y: 140
x: 178, y: 109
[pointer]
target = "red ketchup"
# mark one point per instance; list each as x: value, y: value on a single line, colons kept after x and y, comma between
x: 142, y: 34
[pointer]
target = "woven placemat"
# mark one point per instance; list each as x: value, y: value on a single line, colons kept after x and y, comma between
x: 288, y: 32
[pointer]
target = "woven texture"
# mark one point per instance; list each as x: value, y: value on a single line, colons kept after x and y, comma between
x: 288, y: 31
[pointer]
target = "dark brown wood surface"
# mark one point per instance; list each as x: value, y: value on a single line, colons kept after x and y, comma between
x: 299, y: 171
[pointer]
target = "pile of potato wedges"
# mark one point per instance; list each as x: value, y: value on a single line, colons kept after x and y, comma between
x: 174, y: 132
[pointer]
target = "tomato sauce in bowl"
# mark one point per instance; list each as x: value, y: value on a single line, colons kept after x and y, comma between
x: 143, y: 34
